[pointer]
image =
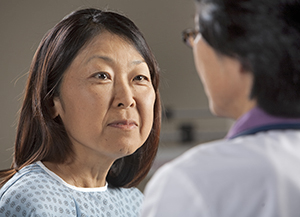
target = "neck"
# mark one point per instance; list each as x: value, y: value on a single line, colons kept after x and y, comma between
x: 81, y: 174
x: 244, y: 109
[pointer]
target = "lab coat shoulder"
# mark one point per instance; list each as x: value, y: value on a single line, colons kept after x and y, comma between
x: 172, y: 191
x: 220, y: 174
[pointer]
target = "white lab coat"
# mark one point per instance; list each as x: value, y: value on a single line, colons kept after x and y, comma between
x: 249, y: 176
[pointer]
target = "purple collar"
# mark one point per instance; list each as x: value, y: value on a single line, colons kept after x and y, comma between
x: 255, y: 118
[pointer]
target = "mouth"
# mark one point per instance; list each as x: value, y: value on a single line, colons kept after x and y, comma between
x: 123, y: 124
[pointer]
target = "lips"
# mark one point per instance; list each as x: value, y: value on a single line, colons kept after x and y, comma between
x: 123, y: 124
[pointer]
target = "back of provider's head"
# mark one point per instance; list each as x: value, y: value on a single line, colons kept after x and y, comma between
x: 265, y: 37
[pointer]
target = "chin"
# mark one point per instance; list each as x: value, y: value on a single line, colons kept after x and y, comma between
x: 213, y: 110
x: 126, y: 151
x: 216, y: 111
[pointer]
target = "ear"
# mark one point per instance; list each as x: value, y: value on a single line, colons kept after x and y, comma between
x: 236, y: 65
x: 56, y: 107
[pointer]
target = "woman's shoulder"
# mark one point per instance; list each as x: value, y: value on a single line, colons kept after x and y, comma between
x: 24, y: 178
x: 28, y: 183
x: 32, y: 190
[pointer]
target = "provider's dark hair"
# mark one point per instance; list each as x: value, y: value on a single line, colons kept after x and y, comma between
x: 264, y: 35
x: 39, y: 136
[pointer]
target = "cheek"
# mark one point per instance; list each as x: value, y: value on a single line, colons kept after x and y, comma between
x: 205, y: 60
x: 199, y: 64
x: 147, y: 110
x: 83, y: 107
x: 200, y: 67
x: 150, y: 102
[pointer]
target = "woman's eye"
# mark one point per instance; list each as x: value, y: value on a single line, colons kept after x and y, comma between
x: 141, y: 78
x: 102, y: 75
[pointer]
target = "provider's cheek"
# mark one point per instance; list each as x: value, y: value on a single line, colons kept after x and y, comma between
x: 197, y: 53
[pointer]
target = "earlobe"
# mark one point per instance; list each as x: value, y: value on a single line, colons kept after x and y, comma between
x: 245, y: 66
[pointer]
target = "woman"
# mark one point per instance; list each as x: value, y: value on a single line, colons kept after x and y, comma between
x: 89, y: 125
x: 247, y: 56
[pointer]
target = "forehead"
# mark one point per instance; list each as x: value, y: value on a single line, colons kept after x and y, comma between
x: 106, y: 40
x: 110, y: 45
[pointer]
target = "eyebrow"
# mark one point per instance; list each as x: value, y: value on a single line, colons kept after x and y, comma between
x: 105, y: 58
x: 108, y: 59
x: 137, y: 62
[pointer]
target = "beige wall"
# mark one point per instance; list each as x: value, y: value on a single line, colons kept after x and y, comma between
x: 23, y: 23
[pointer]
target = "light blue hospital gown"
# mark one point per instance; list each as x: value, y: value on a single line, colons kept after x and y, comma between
x: 36, y: 191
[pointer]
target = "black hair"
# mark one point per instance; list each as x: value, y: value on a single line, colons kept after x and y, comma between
x: 264, y: 35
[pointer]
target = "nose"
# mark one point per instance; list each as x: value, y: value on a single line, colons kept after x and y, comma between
x: 123, y: 96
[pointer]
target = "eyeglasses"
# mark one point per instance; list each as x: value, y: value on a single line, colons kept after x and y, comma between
x: 188, y: 36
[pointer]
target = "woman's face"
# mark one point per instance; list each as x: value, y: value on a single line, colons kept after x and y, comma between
x: 106, y: 99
